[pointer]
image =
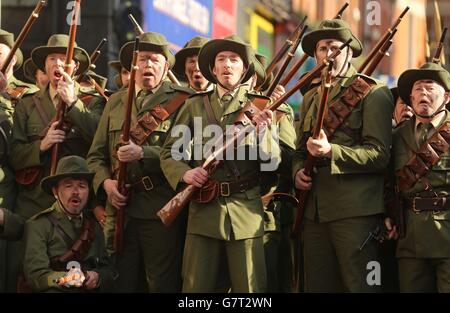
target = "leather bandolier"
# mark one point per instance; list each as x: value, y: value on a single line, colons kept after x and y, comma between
x: 78, y: 249
x: 150, y: 120
x: 417, y: 167
x: 340, y: 109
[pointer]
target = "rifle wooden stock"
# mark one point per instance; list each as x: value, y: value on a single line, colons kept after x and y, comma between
x: 23, y: 34
x: 382, y: 41
x: 286, y: 62
x: 380, y: 55
x: 120, y: 217
x: 302, y: 195
x: 68, y: 68
x: 285, y: 48
x: 96, y: 54
x: 170, y: 211
x: 138, y: 30
x: 339, y: 14
x: 294, y: 70
x: 437, y: 55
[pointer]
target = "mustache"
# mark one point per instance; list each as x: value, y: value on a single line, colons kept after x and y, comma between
x: 75, y: 198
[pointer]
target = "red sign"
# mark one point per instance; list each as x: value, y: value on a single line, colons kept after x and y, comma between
x: 224, y: 18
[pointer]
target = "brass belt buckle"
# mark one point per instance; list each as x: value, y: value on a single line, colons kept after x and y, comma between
x: 224, y: 193
x: 147, y: 182
x: 414, y: 205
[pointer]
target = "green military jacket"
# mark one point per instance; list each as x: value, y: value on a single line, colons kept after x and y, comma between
x: 277, y: 212
x: 352, y: 185
x: 427, y: 233
x: 102, y: 159
x: 13, y: 223
x: 241, y: 213
x: 43, y: 242
x: 26, y: 139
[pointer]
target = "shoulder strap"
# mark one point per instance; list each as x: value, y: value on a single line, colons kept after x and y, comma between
x: 68, y: 241
x: 44, y: 117
x: 428, y: 155
x: 213, y: 120
x: 340, y: 109
x: 151, y: 119
x: 209, y: 111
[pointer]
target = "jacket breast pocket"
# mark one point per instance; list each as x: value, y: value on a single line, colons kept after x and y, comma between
x: 34, y: 130
x: 115, y: 125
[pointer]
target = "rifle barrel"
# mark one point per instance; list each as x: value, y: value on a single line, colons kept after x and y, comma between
x: 286, y: 62
x: 437, y: 55
x: 285, y: 48
x: 339, y: 14
x: 68, y: 68
x: 302, y: 195
x: 23, y: 33
x: 120, y: 217
x: 382, y: 41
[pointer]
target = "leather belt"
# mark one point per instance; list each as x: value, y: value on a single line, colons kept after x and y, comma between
x: 228, y: 188
x: 147, y: 183
x: 436, y: 204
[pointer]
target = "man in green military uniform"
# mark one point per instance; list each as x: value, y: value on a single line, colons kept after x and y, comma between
x: 229, y: 226
x: 14, y: 90
x: 34, y: 75
x: 345, y: 197
x: 422, y: 168
x: 35, y: 132
x: 66, y: 234
x: 277, y: 190
x: 186, y: 64
x: 147, y: 242
x: 123, y: 76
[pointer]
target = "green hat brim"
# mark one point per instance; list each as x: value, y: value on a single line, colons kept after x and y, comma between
x: 51, y: 181
x: 409, y: 77
x: 29, y: 71
x: 311, y: 39
x: 39, y: 54
x: 180, y: 59
x: 19, y: 60
x: 116, y: 65
x: 207, y: 56
x: 126, y: 53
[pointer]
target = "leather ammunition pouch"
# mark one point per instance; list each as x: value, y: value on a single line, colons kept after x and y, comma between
x: 425, y: 158
x: 340, y: 109
x: 150, y: 120
x: 29, y: 176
